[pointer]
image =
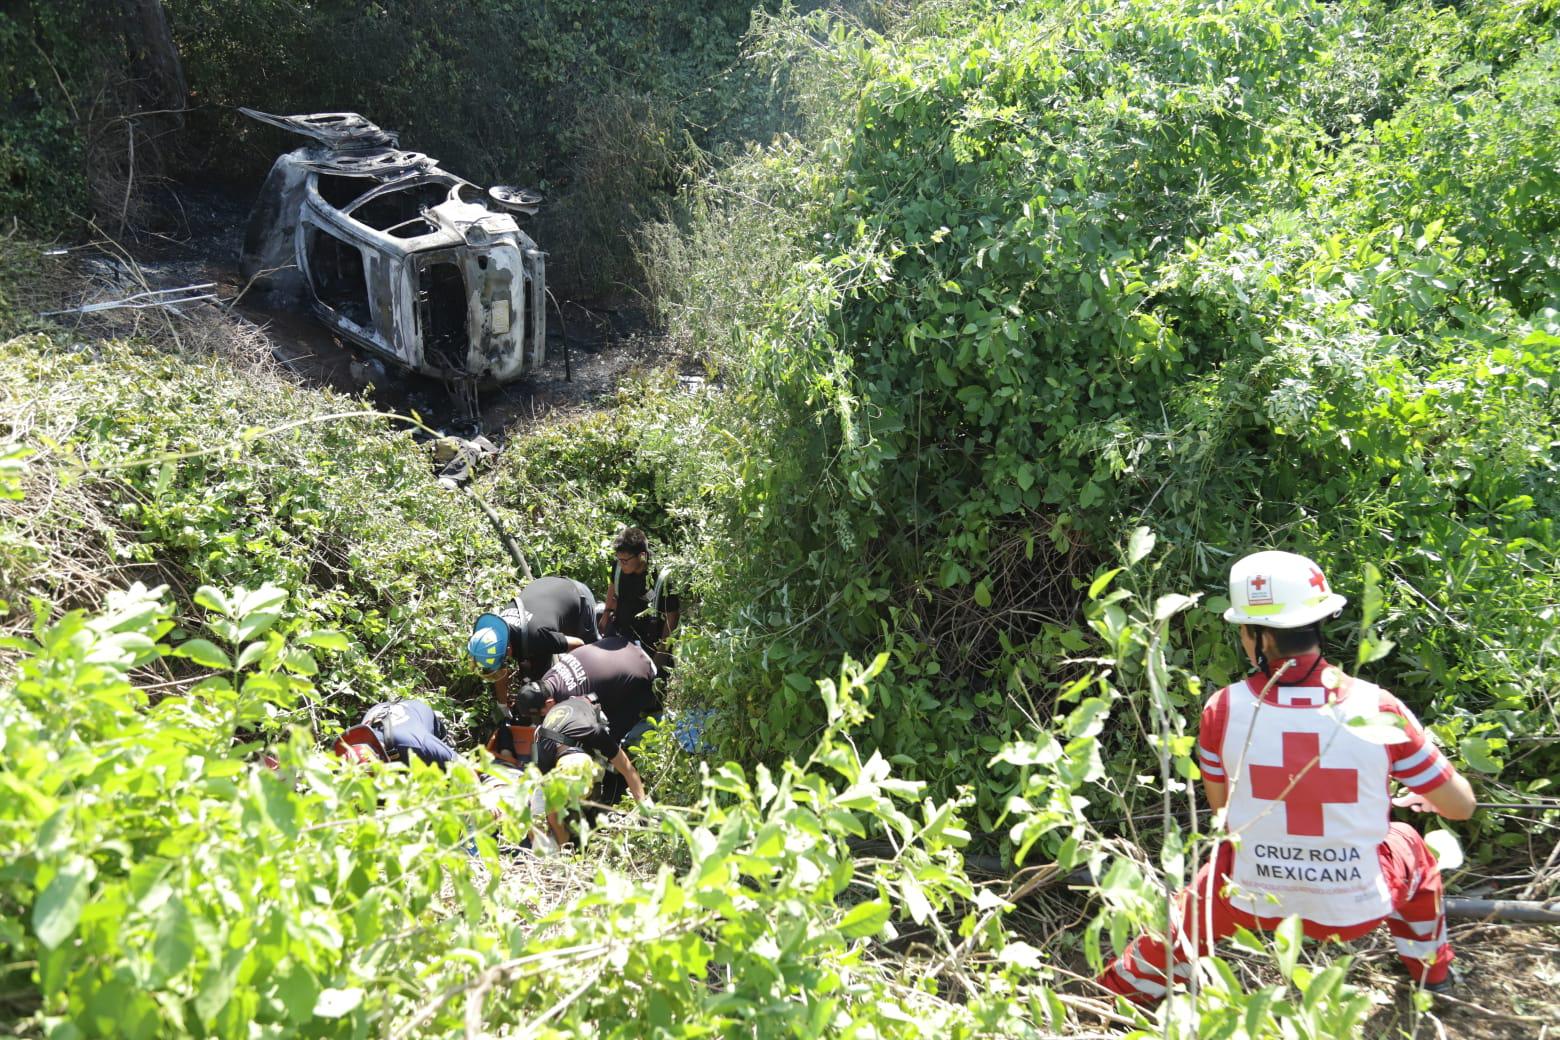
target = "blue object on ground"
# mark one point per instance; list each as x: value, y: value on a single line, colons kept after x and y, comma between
x: 688, y: 727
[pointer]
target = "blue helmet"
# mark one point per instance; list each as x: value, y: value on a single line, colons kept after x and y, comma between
x: 489, y: 642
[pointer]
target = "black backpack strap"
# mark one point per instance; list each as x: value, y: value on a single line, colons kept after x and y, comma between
x: 516, y: 617
x: 658, y: 593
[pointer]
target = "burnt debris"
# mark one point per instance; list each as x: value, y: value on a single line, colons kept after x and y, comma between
x: 403, y: 258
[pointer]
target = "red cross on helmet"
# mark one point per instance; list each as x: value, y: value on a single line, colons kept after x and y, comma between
x: 1280, y: 590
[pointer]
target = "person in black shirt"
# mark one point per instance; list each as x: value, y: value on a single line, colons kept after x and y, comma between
x: 551, y: 616
x: 616, y: 674
x: 637, y: 609
x: 394, y: 731
x: 575, y: 736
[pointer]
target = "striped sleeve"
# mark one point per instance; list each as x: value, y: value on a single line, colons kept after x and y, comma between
x: 1417, y: 763
x: 1210, y: 738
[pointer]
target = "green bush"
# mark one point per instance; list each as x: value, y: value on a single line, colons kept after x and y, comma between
x: 1266, y: 273
x: 344, y: 513
x: 575, y: 481
x: 53, y: 59
x: 155, y: 883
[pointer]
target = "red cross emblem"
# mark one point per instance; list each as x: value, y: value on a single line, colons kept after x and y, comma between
x: 1317, y: 581
x: 1258, y: 582
x: 1303, y: 785
x: 1258, y: 590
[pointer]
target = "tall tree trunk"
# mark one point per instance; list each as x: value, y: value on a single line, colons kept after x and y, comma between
x: 154, y: 59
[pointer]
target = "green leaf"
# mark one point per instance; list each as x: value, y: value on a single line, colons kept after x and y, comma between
x: 915, y: 899
x: 300, y: 662
x: 1287, y: 939
x: 1373, y: 649
x: 267, y: 598
x: 216, y: 986
x: 173, y: 942
x: 1476, y: 752
x: 212, y: 599
x: 257, y: 623
x: 864, y: 919
x: 325, y: 639
x: 1383, y: 728
x: 1371, y: 600
x: 165, y: 474
x: 58, y: 909
x: 334, y: 1003
x: 1098, y: 585
x: 1140, y: 544
x: 205, y: 653
x: 299, y: 992
x: 982, y: 594
x: 251, y: 654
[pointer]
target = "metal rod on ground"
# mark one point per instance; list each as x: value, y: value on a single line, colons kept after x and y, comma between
x: 145, y: 300
x: 1520, y: 911
x: 503, y: 536
x: 1515, y: 911
x: 1203, y: 810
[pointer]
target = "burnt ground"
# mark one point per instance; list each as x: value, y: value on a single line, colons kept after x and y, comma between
x: 592, y: 345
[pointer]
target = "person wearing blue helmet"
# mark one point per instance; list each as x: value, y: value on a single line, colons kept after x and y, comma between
x: 552, y: 615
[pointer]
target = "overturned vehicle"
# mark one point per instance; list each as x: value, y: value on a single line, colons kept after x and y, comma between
x: 417, y: 265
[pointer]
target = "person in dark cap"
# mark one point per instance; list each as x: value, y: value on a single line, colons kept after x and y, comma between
x: 575, y: 737
x: 614, y: 673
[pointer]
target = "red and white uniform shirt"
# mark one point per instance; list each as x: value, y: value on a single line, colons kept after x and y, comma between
x: 1308, y: 794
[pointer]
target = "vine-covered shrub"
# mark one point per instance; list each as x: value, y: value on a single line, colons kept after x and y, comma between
x: 572, y: 483
x: 157, y: 882
x: 1266, y: 273
x: 345, y: 513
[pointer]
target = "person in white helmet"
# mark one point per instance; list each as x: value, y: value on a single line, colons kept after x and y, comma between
x: 1306, y: 789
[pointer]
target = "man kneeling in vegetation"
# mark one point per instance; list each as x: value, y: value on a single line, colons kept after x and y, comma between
x: 613, y: 673
x: 576, y: 737
x: 1305, y: 791
x: 394, y: 731
x: 552, y: 615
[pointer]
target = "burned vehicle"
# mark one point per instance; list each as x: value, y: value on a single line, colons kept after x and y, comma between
x: 419, y: 266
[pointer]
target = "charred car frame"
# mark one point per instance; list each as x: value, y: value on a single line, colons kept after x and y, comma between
x: 411, y: 262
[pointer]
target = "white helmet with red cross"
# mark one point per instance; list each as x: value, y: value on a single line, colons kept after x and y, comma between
x: 1280, y: 590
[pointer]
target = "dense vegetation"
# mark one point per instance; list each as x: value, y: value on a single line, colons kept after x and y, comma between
x: 1026, y: 282
x: 1265, y: 273
x: 600, y: 105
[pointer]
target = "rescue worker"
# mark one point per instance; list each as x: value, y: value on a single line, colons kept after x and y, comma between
x: 551, y: 616
x: 393, y: 732
x: 636, y: 609
x: 614, y: 673
x: 576, y: 737
x: 1306, y: 797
